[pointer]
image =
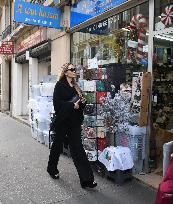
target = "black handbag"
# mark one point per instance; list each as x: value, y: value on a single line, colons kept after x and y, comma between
x: 74, y: 99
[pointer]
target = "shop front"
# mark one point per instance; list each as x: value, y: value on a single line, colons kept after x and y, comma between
x: 32, y: 62
x: 110, y: 50
x: 162, y: 94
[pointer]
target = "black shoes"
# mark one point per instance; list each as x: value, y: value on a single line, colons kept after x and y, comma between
x: 54, y: 175
x: 88, y: 184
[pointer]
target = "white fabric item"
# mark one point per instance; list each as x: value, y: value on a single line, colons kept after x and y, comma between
x: 116, y: 158
x: 90, y: 85
x: 47, y: 89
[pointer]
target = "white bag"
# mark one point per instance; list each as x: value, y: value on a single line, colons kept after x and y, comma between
x: 116, y: 158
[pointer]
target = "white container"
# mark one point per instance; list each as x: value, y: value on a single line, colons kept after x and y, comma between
x: 33, y: 131
x: 47, y: 89
x: 46, y: 137
x: 40, y: 136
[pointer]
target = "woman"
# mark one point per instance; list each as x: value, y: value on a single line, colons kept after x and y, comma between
x: 69, y: 104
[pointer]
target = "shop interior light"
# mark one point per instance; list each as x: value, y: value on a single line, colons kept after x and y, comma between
x: 125, y: 29
x: 165, y: 37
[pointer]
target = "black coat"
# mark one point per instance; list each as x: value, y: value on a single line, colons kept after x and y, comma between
x: 65, y: 112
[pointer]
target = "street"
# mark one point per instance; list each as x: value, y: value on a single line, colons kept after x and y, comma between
x: 24, y: 180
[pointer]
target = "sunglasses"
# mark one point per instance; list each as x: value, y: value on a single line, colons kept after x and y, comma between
x: 72, y: 69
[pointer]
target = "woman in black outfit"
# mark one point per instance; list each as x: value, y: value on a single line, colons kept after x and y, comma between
x: 69, y: 104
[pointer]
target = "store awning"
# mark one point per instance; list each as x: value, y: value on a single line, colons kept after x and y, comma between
x: 41, y: 50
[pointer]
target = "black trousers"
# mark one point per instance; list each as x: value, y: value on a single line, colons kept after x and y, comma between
x: 76, y: 149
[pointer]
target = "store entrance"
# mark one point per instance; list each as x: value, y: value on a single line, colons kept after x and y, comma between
x: 162, y: 101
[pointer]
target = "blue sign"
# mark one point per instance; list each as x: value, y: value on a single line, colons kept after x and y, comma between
x: 35, y: 14
x: 86, y: 9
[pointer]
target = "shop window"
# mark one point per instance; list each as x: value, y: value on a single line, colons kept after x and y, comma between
x: 106, y: 54
x: 162, y: 100
x: 163, y: 14
x: 120, y: 39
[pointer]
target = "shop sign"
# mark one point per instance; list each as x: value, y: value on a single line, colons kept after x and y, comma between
x: 36, y: 14
x: 7, y: 48
x: 96, y: 28
x: 33, y: 39
x: 103, y: 26
x: 87, y: 9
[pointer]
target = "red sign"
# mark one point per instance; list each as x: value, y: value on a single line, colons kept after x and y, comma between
x: 33, y: 39
x: 7, y: 48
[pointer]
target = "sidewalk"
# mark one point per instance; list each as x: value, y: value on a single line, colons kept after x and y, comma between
x: 24, y: 180
x: 153, y: 180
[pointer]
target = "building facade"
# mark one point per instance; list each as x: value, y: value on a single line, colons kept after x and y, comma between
x: 133, y: 36
x: 36, y: 55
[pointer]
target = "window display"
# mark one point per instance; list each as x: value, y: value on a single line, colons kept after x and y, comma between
x: 107, y: 53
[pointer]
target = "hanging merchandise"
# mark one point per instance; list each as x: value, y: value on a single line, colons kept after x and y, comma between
x: 100, y: 96
x: 101, y: 132
x: 92, y: 155
x: 89, y: 74
x: 116, y: 158
x: 90, y: 109
x: 90, y: 97
x: 101, y: 143
x: 89, y: 144
x: 89, y: 86
x: 89, y: 132
x: 100, y: 85
x: 140, y: 96
x: 139, y: 23
x: 89, y: 121
x: 167, y: 15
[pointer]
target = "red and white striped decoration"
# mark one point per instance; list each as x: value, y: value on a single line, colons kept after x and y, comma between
x: 139, y: 22
x: 167, y: 15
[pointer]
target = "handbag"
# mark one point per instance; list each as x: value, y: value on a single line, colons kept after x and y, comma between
x: 75, y: 99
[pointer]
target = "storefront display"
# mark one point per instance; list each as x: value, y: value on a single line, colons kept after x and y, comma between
x: 107, y: 53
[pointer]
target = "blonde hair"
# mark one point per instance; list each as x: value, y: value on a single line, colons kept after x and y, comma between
x: 62, y: 77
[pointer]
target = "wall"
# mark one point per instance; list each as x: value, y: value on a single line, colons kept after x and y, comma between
x: 60, y: 52
x: 16, y: 88
x: 5, y: 85
x: 25, y: 88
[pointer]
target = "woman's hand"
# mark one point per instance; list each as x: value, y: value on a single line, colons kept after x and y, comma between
x: 172, y: 155
x: 76, y: 105
x: 83, y: 100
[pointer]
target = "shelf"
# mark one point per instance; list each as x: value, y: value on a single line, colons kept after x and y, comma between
x: 163, y: 80
x: 165, y: 93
